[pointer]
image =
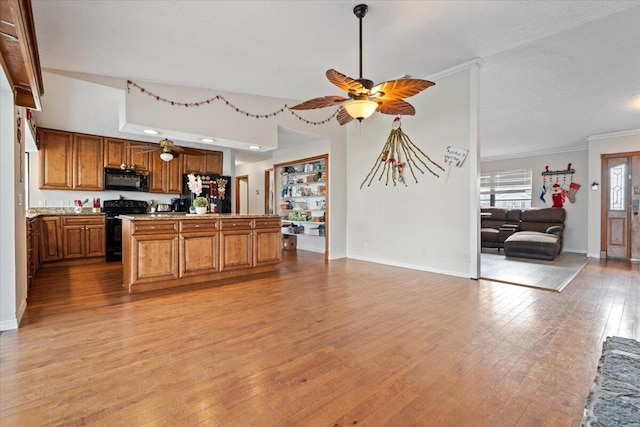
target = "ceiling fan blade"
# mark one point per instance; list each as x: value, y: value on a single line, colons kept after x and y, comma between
x: 344, y: 82
x: 187, y: 150
x: 399, y: 89
x: 395, y: 106
x: 144, y: 147
x: 321, y: 102
x: 343, y: 117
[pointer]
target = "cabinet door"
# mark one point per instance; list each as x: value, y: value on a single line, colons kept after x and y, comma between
x: 95, y: 241
x: 115, y: 152
x: 50, y: 238
x: 267, y: 247
x: 56, y: 158
x: 154, y: 257
x: 235, y: 250
x: 157, y: 174
x: 174, y: 176
x: 138, y: 157
x: 88, y: 162
x: 198, y: 253
x: 73, y: 242
x: 192, y: 163
x: 213, y: 163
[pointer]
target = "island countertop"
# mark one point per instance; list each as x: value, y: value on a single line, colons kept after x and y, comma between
x: 186, y: 216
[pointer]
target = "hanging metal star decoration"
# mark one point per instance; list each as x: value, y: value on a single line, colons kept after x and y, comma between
x: 398, y: 153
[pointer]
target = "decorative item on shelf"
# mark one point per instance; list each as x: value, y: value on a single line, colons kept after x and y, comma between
x: 222, y: 185
x: 201, y: 204
x: 594, y: 186
x: 399, y: 152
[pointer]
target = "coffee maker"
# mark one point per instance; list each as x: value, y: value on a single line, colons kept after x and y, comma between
x: 180, y: 204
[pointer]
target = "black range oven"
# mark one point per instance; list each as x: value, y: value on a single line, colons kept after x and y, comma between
x: 113, y: 208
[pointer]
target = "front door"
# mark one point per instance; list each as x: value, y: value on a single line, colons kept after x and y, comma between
x: 622, y: 206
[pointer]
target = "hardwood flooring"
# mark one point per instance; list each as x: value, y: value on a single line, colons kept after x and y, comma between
x: 320, y: 344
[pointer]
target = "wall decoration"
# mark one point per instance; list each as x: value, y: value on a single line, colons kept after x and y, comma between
x: 559, y: 192
x: 19, y: 142
x: 398, y: 153
x: 454, y: 156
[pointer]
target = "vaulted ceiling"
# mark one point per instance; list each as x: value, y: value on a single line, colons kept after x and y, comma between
x: 554, y: 71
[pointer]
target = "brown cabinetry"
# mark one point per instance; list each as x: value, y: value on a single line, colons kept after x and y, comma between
x: 70, y: 161
x: 50, y: 238
x: 267, y: 241
x: 151, y: 254
x: 162, y: 253
x: 33, y: 248
x: 83, y: 236
x: 211, y: 163
x: 198, y: 247
x: 165, y: 177
x: 235, y: 244
x: 119, y: 151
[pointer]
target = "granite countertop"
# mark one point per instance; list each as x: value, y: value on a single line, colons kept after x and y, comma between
x: 35, y: 212
x: 180, y: 215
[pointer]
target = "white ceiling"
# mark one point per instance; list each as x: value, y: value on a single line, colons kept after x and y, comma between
x: 554, y: 71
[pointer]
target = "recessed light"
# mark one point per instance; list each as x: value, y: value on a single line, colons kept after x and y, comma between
x: 636, y: 103
x: 254, y: 147
x: 150, y: 132
x: 207, y: 140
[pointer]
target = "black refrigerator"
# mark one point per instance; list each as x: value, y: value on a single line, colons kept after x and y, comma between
x: 216, y: 188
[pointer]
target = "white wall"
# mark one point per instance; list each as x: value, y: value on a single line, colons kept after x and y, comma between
x: 425, y: 225
x: 620, y: 142
x: 13, y: 279
x: 575, y: 235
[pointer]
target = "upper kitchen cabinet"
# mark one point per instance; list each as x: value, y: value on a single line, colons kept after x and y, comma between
x: 119, y: 151
x: 209, y: 163
x: 165, y: 177
x: 70, y: 161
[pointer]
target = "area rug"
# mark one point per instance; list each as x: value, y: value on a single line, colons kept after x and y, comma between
x: 614, y: 399
x: 549, y: 275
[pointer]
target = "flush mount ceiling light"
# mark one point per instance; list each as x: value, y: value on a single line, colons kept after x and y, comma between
x: 365, y: 98
x: 207, y: 140
x: 150, y: 132
x: 254, y: 147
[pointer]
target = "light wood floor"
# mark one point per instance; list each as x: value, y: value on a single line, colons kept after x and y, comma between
x: 320, y: 344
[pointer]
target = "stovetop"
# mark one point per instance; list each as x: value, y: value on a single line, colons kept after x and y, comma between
x: 125, y: 206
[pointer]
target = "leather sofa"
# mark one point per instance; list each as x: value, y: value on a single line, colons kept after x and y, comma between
x: 537, y: 233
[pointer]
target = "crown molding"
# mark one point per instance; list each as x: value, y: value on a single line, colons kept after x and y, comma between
x: 455, y: 69
x: 609, y: 135
x: 583, y: 147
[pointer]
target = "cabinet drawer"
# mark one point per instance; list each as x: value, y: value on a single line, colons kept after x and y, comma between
x: 153, y: 227
x: 83, y: 220
x: 236, y: 224
x: 198, y: 225
x: 267, y: 223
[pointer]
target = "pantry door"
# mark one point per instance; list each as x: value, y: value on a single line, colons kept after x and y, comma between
x: 621, y: 205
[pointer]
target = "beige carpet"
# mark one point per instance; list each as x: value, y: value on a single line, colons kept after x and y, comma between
x: 550, y: 275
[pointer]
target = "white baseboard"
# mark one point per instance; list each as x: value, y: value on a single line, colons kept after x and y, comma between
x: 412, y: 266
x: 8, y: 325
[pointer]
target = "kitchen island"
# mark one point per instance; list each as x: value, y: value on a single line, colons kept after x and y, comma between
x: 175, y: 249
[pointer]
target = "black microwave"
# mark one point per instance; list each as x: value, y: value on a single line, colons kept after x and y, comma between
x: 125, y: 180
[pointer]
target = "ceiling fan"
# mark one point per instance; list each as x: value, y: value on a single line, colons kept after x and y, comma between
x: 363, y: 97
x: 169, y: 150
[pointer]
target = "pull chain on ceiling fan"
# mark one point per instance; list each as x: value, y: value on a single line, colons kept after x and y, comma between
x: 365, y: 98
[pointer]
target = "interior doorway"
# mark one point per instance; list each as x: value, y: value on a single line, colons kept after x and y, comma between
x: 269, y: 195
x: 620, y: 206
x: 242, y: 194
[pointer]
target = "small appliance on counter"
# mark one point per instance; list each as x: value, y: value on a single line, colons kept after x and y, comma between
x: 181, y: 204
x: 163, y: 207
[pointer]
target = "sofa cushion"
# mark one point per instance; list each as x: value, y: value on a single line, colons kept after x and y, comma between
x: 541, y: 219
x: 514, y: 215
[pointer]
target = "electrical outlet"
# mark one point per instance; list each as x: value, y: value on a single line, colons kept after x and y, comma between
x: 365, y: 246
x: 423, y: 253
x: 467, y: 259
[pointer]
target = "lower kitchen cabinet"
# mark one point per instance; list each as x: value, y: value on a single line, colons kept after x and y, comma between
x: 51, y: 238
x: 198, y: 247
x: 235, y: 244
x: 267, y: 242
x: 83, y: 236
x: 151, y: 254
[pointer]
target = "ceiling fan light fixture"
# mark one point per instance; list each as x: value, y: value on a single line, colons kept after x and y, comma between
x: 360, y: 109
x: 166, y: 156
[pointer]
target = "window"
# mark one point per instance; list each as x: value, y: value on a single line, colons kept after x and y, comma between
x: 506, y: 189
x: 617, y: 188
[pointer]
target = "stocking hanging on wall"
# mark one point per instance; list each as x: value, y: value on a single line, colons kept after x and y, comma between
x: 398, y: 153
